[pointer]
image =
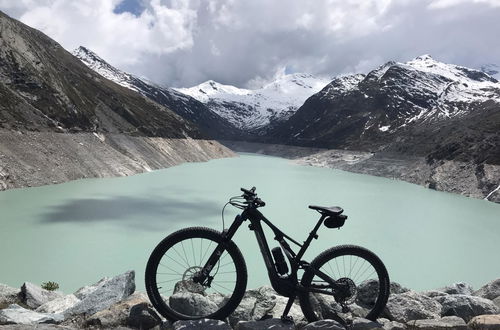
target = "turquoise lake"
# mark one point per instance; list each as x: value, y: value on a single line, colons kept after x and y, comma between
x: 78, y: 232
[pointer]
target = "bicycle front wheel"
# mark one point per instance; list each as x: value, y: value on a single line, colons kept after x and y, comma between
x: 362, y: 285
x: 175, y: 262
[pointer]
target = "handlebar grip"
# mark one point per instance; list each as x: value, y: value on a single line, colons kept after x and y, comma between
x: 248, y: 192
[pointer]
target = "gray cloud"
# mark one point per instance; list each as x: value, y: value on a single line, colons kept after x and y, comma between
x: 185, y: 42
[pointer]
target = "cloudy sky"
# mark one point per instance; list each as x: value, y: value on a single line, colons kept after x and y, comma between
x: 182, y: 43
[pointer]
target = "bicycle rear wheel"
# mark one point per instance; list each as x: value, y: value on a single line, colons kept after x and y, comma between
x: 177, y: 259
x: 364, y: 280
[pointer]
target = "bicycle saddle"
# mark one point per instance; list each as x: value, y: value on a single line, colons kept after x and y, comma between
x: 332, y: 210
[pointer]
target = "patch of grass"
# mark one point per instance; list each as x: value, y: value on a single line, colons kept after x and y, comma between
x: 50, y: 286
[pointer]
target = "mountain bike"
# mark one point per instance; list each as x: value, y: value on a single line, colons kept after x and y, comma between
x: 200, y: 272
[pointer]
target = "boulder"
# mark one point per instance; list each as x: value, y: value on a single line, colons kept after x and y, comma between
x: 255, y: 305
x: 295, y: 312
x: 407, y: 306
x: 496, y: 301
x: 118, y: 313
x: 368, y: 291
x: 59, y: 305
x: 458, y: 288
x: 8, y: 295
x: 391, y: 325
x: 433, y: 293
x: 447, y: 322
x: 193, y: 304
x: 143, y: 316
x: 34, y: 296
x: 38, y: 327
x: 205, y: 324
x: 465, y: 307
x: 324, y: 325
x: 489, y: 291
x: 103, y: 294
x: 275, y: 324
x: 485, y: 322
x: 359, y: 323
x: 16, y: 314
x: 398, y: 288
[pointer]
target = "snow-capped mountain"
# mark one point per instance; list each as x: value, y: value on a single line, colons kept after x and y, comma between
x: 420, y: 107
x: 184, y: 105
x: 491, y: 69
x: 251, y: 110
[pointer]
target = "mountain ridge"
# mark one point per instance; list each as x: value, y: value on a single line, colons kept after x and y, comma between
x: 185, y: 106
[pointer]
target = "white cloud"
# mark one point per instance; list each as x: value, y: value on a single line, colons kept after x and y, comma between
x: 242, y: 42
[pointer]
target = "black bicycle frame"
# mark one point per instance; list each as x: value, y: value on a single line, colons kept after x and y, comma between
x: 286, y: 285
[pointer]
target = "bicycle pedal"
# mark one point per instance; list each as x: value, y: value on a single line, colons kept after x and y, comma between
x: 287, y: 319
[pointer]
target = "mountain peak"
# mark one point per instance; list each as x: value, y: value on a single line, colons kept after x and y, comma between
x: 424, y: 57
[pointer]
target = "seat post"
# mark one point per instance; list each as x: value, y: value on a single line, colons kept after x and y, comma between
x: 312, y: 235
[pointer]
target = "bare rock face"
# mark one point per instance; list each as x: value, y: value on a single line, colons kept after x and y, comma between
x: 465, y: 306
x: 143, y: 316
x: 8, y: 295
x: 59, y: 305
x: 255, y: 305
x: 275, y: 324
x: 118, y: 314
x: 458, y: 288
x: 200, y: 324
x: 192, y: 304
x: 391, y: 325
x: 16, y: 314
x: 485, y: 322
x: 411, y: 305
x: 490, y: 290
x: 447, y: 322
x: 103, y: 294
x: 359, y: 323
x: 34, y: 296
x: 324, y: 325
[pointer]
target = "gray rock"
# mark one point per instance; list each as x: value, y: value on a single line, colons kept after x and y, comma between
x: 359, y: 323
x: 458, y: 288
x: 368, y: 291
x: 118, y: 313
x: 496, y: 301
x: 466, y: 307
x: 8, y: 295
x: 201, y: 324
x: 255, y: 305
x: 34, y: 296
x: 324, y: 324
x: 447, y: 322
x: 398, y: 288
x: 407, y: 306
x: 490, y: 290
x: 103, y: 294
x: 143, y: 316
x: 16, y: 314
x: 59, y: 305
x: 295, y: 312
x: 433, y: 293
x: 391, y: 325
x: 38, y: 327
x: 275, y: 324
x: 193, y: 304
x: 485, y: 322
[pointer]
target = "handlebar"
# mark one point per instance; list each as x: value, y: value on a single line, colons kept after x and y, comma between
x: 251, y: 196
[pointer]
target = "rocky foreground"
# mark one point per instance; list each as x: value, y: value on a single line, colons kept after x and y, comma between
x: 113, y: 303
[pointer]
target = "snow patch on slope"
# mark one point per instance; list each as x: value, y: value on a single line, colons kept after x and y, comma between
x: 251, y: 109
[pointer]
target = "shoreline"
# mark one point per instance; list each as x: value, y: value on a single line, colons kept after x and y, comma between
x: 29, y: 159
x: 464, y: 178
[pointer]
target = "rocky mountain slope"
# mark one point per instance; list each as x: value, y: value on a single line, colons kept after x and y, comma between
x: 46, y: 93
x: 422, y: 108
x: 257, y: 110
x: 185, y: 106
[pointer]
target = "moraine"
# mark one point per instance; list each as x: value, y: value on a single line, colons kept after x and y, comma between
x: 73, y: 233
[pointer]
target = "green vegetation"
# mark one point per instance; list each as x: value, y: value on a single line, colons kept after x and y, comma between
x: 50, y: 286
